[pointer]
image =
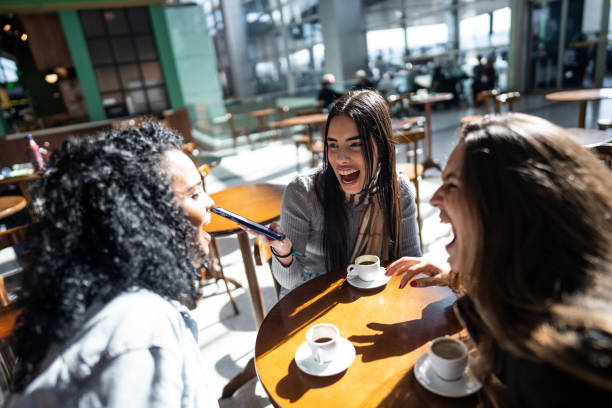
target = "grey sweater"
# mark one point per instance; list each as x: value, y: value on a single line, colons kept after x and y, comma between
x: 302, y: 220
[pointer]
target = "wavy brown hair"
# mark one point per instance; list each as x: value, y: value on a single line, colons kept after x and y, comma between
x: 541, y: 279
x: 370, y: 113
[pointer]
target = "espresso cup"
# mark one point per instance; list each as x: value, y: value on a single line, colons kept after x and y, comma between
x: 449, y: 357
x: 367, y: 267
x: 323, y: 341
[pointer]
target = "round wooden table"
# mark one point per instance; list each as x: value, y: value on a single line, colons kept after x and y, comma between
x: 9, y: 205
x: 389, y: 327
x: 582, y: 96
x: 427, y: 100
x: 258, y: 202
x: 589, y: 137
x: 23, y: 183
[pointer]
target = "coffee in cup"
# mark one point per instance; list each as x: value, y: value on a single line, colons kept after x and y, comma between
x: 449, y: 357
x: 367, y: 267
x: 323, y: 341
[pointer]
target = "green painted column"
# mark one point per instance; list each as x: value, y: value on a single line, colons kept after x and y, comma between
x: 166, y: 57
x: 82, y: 64
x: 3, y: 127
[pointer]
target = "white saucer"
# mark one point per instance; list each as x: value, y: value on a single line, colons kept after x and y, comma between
x: 464, y: 386
x: 354, y: 280
x: 345, y: 355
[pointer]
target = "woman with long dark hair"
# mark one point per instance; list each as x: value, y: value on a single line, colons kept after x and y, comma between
x: 121, y: 219
x: 531, y: 213
x: 356, y: 204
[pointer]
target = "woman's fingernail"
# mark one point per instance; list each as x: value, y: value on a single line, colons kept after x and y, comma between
x: 413, y: 284
x: 402, y: 285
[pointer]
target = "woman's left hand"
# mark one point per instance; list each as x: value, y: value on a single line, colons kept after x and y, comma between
x: 438, y: 273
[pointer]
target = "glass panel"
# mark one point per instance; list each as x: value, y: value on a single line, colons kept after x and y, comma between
x: 385, y: 47
x: 146, y: 47
x: 116, y: 21
x: 130, y: 77
x: 581, y: 42
x: 136, y: 102
x: 474, y: 31
x: 544, y: 53
x: 92, y: 23
x: 152, y: 73
x: 123, y: 49
x: 427, y: 39
x: 139, y: 20
x: 100, y: 52
x: 157, y: 99
x: 107, y: 79
x: 114, y: 105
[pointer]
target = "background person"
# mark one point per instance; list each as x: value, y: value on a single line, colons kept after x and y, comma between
x: 327, y: 95
x: 356, y: 204
x: 531, y: 213
x: 121, y: 234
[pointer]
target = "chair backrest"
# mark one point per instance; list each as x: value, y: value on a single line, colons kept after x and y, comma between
x: 263, y: 254
x: 506, y: 98
x: 486, y: 97
x: 411, y: 139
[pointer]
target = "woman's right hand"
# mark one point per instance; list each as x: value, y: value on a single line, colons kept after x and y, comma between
x: 438, y: 273
x: 281, y: 247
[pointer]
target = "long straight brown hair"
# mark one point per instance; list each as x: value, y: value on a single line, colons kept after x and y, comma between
x: 541, y: 278
x: 370, y: 113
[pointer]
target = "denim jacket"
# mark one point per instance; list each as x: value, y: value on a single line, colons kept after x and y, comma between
x: 135, y: 351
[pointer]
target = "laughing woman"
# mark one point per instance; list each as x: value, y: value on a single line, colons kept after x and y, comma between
x: 356, y: 204
x: 531, y: 212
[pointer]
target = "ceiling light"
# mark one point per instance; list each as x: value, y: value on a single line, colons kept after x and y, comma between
x: 51, y: 78
x: 24, y: 37
x: 6, y: 27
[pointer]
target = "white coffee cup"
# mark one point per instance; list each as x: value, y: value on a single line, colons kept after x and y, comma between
x: 323, y: 341
x: 449, y: 357
x: 367, y: 267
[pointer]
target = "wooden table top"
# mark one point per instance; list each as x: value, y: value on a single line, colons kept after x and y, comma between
x: 589, y: 137
x: 18, y: 179
x: 258, y: 202
x: 8, y: 317
x: 262, y: 112
x: 580, y: 95
x: 9, y: 205
x: 302, y: 120
x: 406, y: 123
x: 430, y: 98
x: 389, y: 327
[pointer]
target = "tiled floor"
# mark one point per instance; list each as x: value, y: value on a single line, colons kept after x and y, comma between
x: 227, y: 340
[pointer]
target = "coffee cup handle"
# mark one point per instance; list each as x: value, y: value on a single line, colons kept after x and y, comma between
x: 351, y: 271
x: 319, y: 356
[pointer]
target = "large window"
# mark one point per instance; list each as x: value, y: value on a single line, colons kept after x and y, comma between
x: 125, y: 60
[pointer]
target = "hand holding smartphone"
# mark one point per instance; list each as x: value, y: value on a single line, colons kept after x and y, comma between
x: 262, y: 229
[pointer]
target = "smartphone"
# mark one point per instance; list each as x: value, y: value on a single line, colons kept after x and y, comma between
x: 247, y: 223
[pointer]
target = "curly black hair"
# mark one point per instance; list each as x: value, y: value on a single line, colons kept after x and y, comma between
x: 108, y: 223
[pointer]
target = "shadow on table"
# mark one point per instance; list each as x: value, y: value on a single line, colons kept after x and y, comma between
x: 413, y: 333
x: 295, y: 384
x: 302, y: 308
x: 409, y: 393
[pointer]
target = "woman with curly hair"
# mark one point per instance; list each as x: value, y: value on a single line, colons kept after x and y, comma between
x: 356, y: 204
x: 531, y: 213
x: 121, y: 219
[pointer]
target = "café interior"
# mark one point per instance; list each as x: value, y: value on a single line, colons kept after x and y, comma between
x: 241, y: 81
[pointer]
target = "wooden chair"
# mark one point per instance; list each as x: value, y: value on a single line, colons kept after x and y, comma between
x: 506, y: 98
x: 263, y: 254
x: 10, y: 238
x: 397, y: 107
x: 486, y: 97
x: 412, y: 169
x: 236, y: 133
x: 8, y: 325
